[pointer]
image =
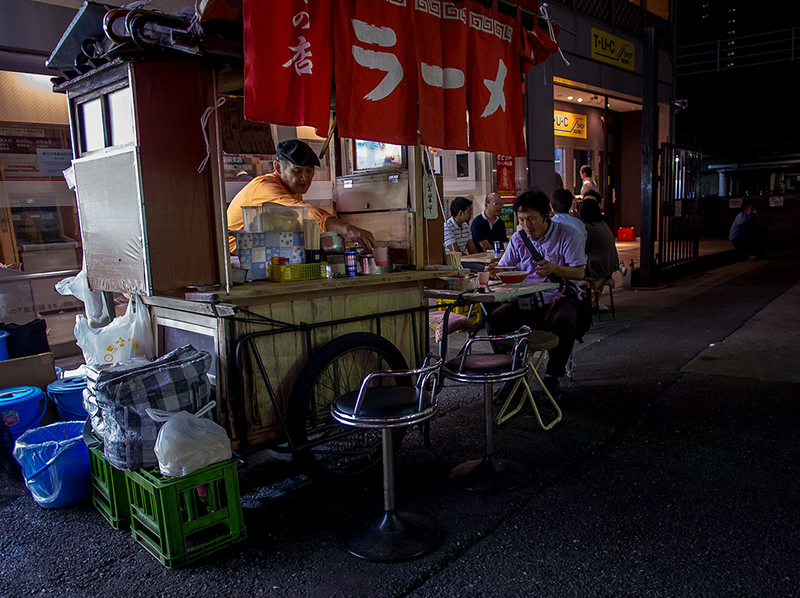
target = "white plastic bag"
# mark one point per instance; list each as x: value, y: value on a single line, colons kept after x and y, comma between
x: 93, y: 305
x: 187, y: 442
x: 125, y: 337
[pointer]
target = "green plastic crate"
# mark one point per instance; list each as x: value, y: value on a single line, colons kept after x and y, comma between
x: 109, y: 491
x: 179, y: 520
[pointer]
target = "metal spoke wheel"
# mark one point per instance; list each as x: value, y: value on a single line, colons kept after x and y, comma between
x: 340, y: 366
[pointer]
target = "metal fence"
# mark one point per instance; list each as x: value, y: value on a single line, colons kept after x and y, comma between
x: 737, y: 52
x: 678, y: 238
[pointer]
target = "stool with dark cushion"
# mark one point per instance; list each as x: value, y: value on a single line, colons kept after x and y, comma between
x: 396, y: 535
x: 490, y: 474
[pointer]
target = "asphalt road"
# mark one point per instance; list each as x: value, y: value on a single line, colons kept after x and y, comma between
x: 673, y: 473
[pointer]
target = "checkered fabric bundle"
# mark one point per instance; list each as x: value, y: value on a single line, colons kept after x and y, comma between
x: 177, y: 381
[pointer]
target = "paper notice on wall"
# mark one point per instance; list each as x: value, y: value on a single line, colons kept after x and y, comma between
x: 53, y: 162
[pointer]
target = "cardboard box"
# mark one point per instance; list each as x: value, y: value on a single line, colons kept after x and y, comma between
x: 256, y: 249
x: 34, y: 370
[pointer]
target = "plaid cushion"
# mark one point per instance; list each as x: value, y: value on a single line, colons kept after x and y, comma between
x: 177, y: 381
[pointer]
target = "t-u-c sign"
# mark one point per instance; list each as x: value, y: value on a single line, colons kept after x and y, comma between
x: 569, y: 124
x: 612, y: 49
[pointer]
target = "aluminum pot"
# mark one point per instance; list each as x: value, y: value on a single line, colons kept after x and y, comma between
x: 331, y: 242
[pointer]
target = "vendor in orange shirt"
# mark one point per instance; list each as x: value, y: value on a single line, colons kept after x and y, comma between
x: 294, y: 170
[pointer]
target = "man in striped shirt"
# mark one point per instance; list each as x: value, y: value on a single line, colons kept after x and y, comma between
x: 457, y: 232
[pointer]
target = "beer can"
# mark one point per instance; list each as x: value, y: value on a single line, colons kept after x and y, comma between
x: 350, y: 263
x: 498, y: 247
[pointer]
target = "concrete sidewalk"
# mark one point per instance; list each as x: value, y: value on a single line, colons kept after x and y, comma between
x: 673, y: 473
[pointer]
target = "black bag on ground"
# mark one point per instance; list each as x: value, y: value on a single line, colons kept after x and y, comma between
x: 26, y: 339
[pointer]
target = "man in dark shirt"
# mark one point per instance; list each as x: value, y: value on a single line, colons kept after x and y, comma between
x: 487, y: 227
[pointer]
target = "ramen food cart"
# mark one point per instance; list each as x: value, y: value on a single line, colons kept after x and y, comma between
x: 155, y: 107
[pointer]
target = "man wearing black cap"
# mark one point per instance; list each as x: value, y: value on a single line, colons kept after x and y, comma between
x: 294, y: 171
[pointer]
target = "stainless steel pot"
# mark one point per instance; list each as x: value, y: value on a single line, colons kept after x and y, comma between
x: 331, y: 242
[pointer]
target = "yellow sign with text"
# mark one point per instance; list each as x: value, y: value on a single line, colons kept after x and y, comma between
x: 612, y: 49
x: 569, y: 124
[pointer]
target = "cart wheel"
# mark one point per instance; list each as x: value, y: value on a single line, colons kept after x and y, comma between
x: 340, y: 366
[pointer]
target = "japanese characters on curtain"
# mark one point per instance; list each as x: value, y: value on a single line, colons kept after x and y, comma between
x: 450, y: 70
x: 288, y: 68
x: 376, y: 85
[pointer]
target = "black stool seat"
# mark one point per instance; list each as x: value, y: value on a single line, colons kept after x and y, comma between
x: 490, y: 474
x: 396, y: 535
x: 384, y: 403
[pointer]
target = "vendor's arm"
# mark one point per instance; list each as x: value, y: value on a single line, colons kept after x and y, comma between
x: 471, y: 247
x: 355, y: 234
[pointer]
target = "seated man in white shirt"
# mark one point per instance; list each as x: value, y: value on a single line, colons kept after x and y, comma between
x: 561, y: 201
x: 457, y: 232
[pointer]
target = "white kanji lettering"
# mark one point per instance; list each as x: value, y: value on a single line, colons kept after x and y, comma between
x: 302, y: 62
x: 299, y: 18
x: 382, y: 61
x: 446, y: 78
x: 497, y: 99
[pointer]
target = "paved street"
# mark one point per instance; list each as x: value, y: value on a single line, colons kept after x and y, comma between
x: 673, y: 473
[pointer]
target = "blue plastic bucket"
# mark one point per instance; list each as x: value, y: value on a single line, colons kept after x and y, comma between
x: 19, y: 407
x: 55, y: 464
x: 3, y: 346
x: 67, y: 394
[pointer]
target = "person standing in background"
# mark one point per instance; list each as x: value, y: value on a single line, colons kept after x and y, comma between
x: 588, y: 183
x: 487, y: 227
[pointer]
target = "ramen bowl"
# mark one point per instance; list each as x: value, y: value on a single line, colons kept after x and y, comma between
x: 512, y: 276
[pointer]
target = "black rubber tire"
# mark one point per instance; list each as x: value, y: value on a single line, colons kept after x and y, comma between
x: 308, y: 414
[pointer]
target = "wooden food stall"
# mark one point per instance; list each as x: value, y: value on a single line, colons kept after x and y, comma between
x: 150, y: 144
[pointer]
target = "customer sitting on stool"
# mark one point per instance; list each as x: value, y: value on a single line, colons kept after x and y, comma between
x: 602, y: 259
x: 561, y: 255
x: 748, y: 234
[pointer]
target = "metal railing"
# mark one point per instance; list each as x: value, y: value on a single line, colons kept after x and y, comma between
x: 678, y: 241
x: 737, y: 52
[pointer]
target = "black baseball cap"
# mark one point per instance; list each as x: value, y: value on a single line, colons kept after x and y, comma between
x: 296, y: 152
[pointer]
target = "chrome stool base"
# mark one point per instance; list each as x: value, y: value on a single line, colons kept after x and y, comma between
x: 490, y: 474
x: 398, y: 536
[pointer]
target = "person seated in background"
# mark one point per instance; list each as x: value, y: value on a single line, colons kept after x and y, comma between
x: 748, y: 234
x: 544, y: 249
x: 487, y: 227
x: 602, y: 259
x: 457, y: 232
x: 561, y: 202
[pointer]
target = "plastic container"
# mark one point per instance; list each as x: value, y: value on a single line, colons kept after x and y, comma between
x: 179, y: 520
x: 461, y: 283
x: 55, y: 464
x: 3, y: 346
x: 19, y: 407
x: 67, y: 394
x: 109, y: 491
x: 626, y: 233
x: 295, y: 272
